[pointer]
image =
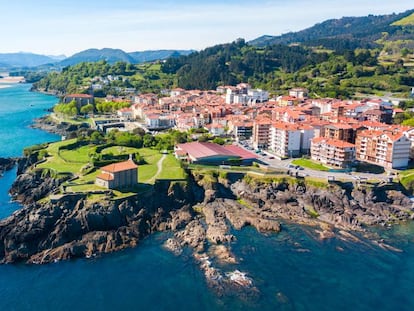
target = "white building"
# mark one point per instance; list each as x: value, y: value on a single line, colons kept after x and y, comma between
x: 285, y: 139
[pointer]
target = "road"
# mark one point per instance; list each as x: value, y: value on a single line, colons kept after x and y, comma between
x: 284, y: 164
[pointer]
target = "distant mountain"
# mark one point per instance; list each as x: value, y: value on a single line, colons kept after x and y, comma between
x: 57, y: 57
x: 115, y: 55
x: 95, y: 55
x: 148, y: 56
x: 23, y: 59
x: 343, y: 33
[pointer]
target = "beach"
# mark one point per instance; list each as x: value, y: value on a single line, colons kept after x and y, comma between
x: 9, y: 80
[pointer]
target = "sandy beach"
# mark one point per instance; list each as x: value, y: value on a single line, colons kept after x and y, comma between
x: 9, y: 79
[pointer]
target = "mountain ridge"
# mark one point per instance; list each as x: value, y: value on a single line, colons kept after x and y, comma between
x: 27, y: 59
x: 357, y: 32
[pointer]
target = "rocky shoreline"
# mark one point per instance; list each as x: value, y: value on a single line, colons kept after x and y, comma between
x: 200, y: 213
x: 7, y: 164
x: 47, y: 124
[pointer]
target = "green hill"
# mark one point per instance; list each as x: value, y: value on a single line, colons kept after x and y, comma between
x: 344, y: 33
x: 94, y: 55
x: 406, y: 21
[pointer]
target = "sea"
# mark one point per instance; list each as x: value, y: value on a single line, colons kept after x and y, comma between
x: 291, y: 270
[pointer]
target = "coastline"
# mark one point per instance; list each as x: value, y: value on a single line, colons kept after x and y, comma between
x: 200, y: 215
x: 12, y: 80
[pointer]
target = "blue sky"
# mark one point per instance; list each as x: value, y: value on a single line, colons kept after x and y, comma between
x: 66, y: 27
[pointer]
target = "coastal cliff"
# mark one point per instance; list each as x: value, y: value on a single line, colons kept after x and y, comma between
x: 7, y: 164
x: 200, y: 213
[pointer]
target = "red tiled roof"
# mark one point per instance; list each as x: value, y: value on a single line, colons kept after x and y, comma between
x: 105, y: 176
x: 79, y: 95
x: 332, y: 142
x: 118, y: 167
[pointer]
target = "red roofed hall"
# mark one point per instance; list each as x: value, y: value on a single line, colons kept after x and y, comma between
x: 209, y: 153
x: 118, y: 175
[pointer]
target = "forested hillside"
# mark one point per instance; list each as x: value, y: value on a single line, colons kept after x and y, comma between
x: 111, y: 78
x: 340, y: 58
x: 346, y: 33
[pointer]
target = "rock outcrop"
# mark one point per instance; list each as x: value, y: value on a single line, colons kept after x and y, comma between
x: 74, y: 227
x: 7, y: 164
x: 200, y: 213
x: 63, y: 128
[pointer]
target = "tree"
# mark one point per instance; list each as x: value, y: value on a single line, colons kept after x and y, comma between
x: 219, y: 140
x: 86, y: 109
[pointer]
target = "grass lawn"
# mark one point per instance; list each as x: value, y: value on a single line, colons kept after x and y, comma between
x: 119, y: 150
x: 72, y: 161
x: 56, y: 162
x: 310, y: 164
x: 147, y: 171
x: 79, y: 155
x: 171, y: 169
x: 407, y: 179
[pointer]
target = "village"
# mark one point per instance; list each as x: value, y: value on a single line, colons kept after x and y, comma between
x: 335, y: 133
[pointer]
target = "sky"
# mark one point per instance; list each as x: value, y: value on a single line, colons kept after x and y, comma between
x: 70, y: 26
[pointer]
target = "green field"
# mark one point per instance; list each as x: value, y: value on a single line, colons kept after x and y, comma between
x: 79, y: 155
x: 171, y: 169
x: 77, y: 163
x: 310, y: 164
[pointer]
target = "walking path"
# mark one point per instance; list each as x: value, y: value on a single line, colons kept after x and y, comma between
x: 159, y: 166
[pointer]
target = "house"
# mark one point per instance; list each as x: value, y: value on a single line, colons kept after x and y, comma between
x: 118, y: 175
x: 332, y: 152
x: 215, y: 129
x: 300, y: 93
x: 213, y: 154
x: 125, y: 113
x: 242, y: 130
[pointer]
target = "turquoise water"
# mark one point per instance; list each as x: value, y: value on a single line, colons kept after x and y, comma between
x: 292, y: 270
x: 18, y: 108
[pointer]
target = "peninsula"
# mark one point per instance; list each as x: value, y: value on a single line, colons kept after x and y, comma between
x: 66, y: 216
x: 322, y: 135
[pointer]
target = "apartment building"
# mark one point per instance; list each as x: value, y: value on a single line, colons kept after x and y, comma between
x: 332, y: 152
x: 339, y: 131
x: 285, y: 139
x: 385, y: 148
x: 261, y: 133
